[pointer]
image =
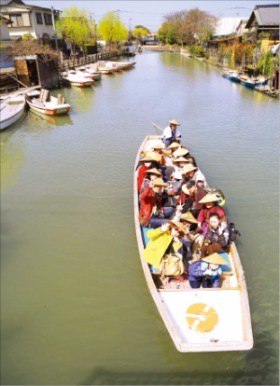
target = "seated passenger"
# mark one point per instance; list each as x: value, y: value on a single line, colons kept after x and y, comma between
x: 148, y: 161
x: 206, y: 272
x: 152, y: 199
x: 181, y: 152
x: 171, y: 133
x: 175, y: 184
x: 165, y: 239
x: 196, y: 243
x: 150, y: 175
x: 216, y: 238
x: 191, y: 172
x: 193, y: 234
x: 200, y: 193
x: 191, y: 160
x: 210, y: 205
x: 179, y: 164
x: 171, y: 148
x: 158, y: 148
x: 188, y: 195
x: 188, y: 220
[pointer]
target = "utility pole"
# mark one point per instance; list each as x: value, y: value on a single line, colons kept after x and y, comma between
x: 54, y: 29
x: 130, y: 32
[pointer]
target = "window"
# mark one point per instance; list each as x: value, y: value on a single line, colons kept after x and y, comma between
x: 19, y: 20
x: 39, y: 18
x: 48, y: 18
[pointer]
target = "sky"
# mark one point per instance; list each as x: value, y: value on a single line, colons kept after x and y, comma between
x: 150, y: 13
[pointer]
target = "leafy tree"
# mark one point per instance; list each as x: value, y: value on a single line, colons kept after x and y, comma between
x: 177, y: 28
x: 140, y: 32
x: 74, y: 27
x: 167, y: 33
x: 112, y: 29
x: 266, y: 64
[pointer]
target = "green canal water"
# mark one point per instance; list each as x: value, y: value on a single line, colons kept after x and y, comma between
x: 75, y: 308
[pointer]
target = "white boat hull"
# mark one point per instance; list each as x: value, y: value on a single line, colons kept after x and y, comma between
x: 49, y: 108
x: 11, y: 113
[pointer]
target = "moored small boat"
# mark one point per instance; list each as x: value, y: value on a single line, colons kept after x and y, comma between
x: 51, y: 106
x: 233, y: 75
x: 252, y: 82
x: 11, y: 109
x: 203, y: 319
x: 87, y: 72
x: 107, y: 67
x: 77, y: 80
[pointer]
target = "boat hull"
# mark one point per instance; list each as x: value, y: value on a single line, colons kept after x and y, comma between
x: 82, y: 84
x: 228, y: 306
x: 57, y: 110
x: 13, y: 117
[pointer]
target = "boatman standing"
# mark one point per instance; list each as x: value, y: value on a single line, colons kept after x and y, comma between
x: 171, y: 133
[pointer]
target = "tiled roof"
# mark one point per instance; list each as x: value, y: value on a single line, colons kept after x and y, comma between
x: 265, y: 15
x: 268, y: 15
x: 7, y: 2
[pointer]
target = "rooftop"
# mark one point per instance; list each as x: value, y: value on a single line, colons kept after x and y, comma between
x: 264, y: 15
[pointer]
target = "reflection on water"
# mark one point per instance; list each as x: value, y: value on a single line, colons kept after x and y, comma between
x: 43, y: 120
x: 12, y: 158
x: 80, y: 98
x: 76, y: 308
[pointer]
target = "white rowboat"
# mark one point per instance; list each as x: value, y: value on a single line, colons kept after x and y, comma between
x: 11, y: 110
x: 204, y: 319
x: 77, y: 80
x: 50, y: 107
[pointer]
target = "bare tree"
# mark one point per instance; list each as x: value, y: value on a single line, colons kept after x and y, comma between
x: 32, y: 47
x: 191, y: 27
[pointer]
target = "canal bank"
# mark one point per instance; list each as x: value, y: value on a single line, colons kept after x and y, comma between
x: 75, y: 306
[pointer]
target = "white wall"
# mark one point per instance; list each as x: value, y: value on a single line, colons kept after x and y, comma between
x: 4, y: 31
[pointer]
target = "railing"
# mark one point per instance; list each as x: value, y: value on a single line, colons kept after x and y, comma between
x: 71, y: 63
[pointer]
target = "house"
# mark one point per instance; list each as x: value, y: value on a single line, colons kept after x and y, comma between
x: 35, y: 20
x: 7, y: 66
x: 241, y: 29
x: 4, y: 31
x: 264, y: 19
x: 229, y: 31
x: 150, y: 39
x: 28, y: 70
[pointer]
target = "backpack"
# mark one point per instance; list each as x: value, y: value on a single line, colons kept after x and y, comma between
x: 171, y: 265
x: 233, y: 232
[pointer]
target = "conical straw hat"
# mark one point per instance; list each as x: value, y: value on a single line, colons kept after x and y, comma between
x: 215, y: 258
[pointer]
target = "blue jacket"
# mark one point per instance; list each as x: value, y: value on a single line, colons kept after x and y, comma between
x: 196, y: 272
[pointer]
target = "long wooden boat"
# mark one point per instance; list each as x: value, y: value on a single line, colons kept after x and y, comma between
x: 224, y: 311
x: 12, y: 108
x: 50, y: 107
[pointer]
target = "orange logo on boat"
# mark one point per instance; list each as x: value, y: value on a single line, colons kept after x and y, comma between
x: 201, y: 318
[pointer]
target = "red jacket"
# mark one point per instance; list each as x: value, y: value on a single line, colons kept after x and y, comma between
x: 147, y: 201
x: 141, y: 175
x: 204, y: 214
